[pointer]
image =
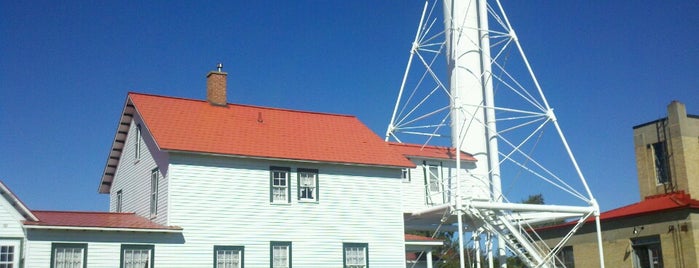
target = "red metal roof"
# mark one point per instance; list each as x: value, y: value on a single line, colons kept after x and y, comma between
x: 652, y: 204
x: 412, y: 237
x: 429, y: 151
x: 197, y: 126
x: 94, y: 220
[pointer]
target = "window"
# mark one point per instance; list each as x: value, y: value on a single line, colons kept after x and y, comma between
x: 137, y: 143
x: 280, y: 254
x: 118, y: 201
x: 279, y: 185
x: 660, y: 156
x: 355, y: 255
x: 565, y: 257
x: 137, y: 256
x: 308, y: 184
x: 433, y: 184
x: 8, y: 256
x: 228, y: 257
x: 405, y: 175
x: 68, y: 255
x: 154, y: 178
x: 647, y: 252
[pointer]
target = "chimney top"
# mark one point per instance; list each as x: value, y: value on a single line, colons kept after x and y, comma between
x: 216, y: 86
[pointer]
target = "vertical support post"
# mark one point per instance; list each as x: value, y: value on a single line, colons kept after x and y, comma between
x: 429, y: 259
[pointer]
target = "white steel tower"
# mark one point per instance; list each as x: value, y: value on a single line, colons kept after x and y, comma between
x: 459, y: 103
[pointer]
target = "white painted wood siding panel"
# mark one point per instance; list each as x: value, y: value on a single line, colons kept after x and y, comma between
x: 225, y: 201
x: 10, y: 220
x: 133, y: 176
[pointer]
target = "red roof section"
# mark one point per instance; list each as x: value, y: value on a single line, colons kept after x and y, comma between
x: 197, y: 126
x: 429, y: 151
x: 412, y: 237
x: 95, y: 220
x: 650, y: 205
x: 653, y: 204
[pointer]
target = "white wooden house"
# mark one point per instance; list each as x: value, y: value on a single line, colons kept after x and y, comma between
x: 211, y: 184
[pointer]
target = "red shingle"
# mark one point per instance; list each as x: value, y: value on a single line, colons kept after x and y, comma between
x: 241, y: 130
x: 94, y: 219
x: 429, y: 151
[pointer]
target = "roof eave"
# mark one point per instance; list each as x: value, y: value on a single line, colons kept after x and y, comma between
x: 411, y: 165
x: 102, y: 229
x: 17, y: 203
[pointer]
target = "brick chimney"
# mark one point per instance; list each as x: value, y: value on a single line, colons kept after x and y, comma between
x: 216, y: 87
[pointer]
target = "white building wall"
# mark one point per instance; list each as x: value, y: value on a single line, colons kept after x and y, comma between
x: 103, y: 248
x: 132, y: 176
x: 10, y: 221
x: 226, y: 201
x: 415, y: 195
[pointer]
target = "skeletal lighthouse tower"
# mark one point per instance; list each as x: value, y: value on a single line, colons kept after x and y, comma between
x: 477, y: 56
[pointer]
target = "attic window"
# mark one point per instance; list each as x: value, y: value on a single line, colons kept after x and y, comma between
x: 137, y: 143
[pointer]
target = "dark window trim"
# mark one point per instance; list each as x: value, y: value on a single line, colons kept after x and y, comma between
x: 238, y: 248
x: 298, y: 183
x: 272, y: 169
x: 139, y: 140
x: 272, y: 244
x: 354, y: 245
x: 137, y: 246
x: 54, y: 246
x: 119, y: 200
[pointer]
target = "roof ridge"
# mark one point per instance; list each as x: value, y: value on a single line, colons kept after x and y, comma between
x: 243, y: 105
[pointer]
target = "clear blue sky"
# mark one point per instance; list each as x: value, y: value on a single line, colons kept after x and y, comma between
x: 65, y: 69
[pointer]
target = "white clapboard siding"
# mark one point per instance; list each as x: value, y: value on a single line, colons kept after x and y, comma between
x: 103, y: 248
x: 225, y: 201
x: 10, y: 221
x: 133, y: 176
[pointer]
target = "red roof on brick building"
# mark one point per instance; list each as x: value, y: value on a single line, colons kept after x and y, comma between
x: 652, y: 204
x: 101, y: 220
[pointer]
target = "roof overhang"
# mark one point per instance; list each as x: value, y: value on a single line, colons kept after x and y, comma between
x: 283, y: 159
x: 16, y: 203
x: 101, y: 229
x: 115, y: 151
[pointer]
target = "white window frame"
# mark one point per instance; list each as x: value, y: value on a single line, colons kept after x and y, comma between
x: 405, y: 175
x: 154, y: 185
x: 307, y: 185
x: 142, y: 252
x: 355, y: 255
x: 229, y: 256
x: 279, y: 186
x: 9, y: 253
x: 59, y: 258
x: 434, y: 183
x: 280, y: 254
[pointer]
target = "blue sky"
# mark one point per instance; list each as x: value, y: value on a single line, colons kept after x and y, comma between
x: 65, y: 69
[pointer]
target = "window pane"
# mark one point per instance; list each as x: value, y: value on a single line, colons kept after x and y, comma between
x: 228, y: 259
x: 68, y: 257
x: 280, y: 256
x: 136, y: 258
